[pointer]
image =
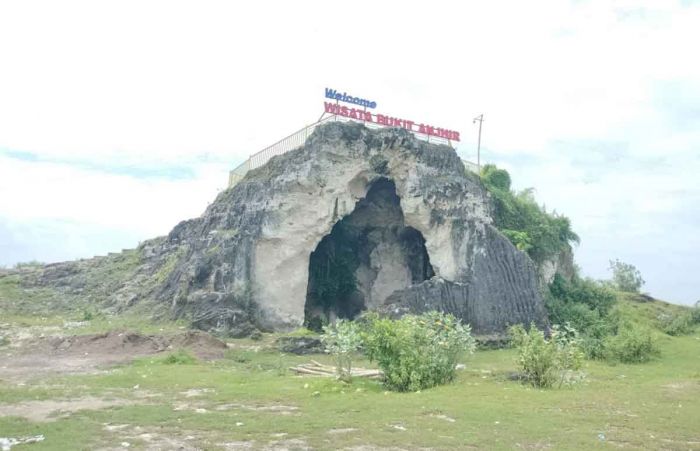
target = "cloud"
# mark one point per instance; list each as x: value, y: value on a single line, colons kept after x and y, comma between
x: 123, y: 117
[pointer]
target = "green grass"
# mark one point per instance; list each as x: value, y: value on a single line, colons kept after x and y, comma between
x: 654, y: 405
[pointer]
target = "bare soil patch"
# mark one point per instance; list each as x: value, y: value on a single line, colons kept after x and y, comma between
x: 51, y: 410
x: 79, y: 354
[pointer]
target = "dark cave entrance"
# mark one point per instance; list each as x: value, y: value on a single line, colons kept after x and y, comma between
x: 369, y: 254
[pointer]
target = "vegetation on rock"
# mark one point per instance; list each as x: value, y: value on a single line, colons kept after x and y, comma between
x: 520, y: 218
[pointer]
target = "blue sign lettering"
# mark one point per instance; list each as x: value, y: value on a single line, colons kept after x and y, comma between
x: 344, y: 97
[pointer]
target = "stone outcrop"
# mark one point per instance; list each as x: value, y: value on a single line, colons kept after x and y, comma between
x: 561, y: 263
x: 401, y: 210
x: 355, y: 219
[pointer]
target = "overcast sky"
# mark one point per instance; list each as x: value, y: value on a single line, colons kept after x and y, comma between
x: 119, y: 119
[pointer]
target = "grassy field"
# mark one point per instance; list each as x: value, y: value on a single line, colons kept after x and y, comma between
x: 250, y: 399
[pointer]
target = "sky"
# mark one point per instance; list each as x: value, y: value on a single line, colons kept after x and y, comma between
x: 119, y: 119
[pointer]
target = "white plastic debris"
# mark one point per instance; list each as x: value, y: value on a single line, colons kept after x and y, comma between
x: 7, y: 442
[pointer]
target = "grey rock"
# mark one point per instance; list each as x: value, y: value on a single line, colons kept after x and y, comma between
x: 413, y: 229
x: 300, y: 345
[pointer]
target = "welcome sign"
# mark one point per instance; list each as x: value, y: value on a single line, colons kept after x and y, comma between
x: 380, y: 119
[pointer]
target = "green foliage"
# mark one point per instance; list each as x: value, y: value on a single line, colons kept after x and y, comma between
x: 626, y: 277
x: 695, y: 313
x: 633, y: 343
x: 179, y: 357
x: 417, y: 352
x: 546, y: 362
x: 583, y: 303
x: 342, y: 340
x: 521, y: 240
x: 528, y: 225
x: 495, y: 178
x: 681, y: 323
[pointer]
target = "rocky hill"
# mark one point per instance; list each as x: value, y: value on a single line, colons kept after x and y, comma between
x: 355, y: 219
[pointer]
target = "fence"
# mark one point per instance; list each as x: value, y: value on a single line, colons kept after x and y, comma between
x: 298, y: 138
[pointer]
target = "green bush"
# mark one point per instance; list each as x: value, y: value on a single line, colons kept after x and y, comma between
x: 593, y: 340
x: 546, y: 362
x: 528, y: 225
x: 179, y: 357
x: 633, y: 343
x: 342, y: 340
x: 583, y: 303
x: 680, y: 324
x: 417, y: 352
x: 695, y: 313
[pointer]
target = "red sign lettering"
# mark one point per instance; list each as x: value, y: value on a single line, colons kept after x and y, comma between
x: 367, y: 116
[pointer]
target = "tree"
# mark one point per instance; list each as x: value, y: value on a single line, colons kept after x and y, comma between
x: 626, y: 277
x: 495, y: 177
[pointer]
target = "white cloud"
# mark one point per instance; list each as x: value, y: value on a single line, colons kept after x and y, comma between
x: 145, y: 84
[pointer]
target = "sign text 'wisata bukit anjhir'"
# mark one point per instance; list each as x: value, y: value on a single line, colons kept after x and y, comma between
x: 360, y: 113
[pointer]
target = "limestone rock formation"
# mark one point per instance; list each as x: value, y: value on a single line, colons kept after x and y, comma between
x: 561, y: 263
x: 355, y: 219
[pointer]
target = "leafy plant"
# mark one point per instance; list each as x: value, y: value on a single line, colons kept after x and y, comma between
x: 342, y: 340
x: 633, y: 343
x: 680, y: 324
x: 626, y: 277
x: 179, y: 357
x: 524, y: 222
x: 695, y: 313
x: 417, y: 352
x: 584, y: 303
x: 546, y: 362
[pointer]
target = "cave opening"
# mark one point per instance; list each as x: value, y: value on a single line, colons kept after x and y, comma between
x: 368, y: 255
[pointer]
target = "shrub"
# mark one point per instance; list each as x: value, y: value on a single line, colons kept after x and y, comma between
x: 680, y: 324
x: 695, y: 313
x: 632, y: 344
x: 342, y: 340
x: 179, y: 357
x: 584, y: 303
x: 593, y: 341
x: 524, y: 222
x: 546, y: 362
x: 417, y: 352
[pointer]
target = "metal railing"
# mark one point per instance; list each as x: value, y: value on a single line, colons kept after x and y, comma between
x: 298, y: 139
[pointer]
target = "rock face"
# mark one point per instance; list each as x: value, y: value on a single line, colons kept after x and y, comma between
x: 355, y: 219
x: 561, y: 263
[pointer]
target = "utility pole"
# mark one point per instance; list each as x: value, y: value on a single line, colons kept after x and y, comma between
x: 479, y: 118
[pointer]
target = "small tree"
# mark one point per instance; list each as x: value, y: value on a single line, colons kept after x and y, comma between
x: 342, y: 340
x: 626, y: 277
x: 546, y: 362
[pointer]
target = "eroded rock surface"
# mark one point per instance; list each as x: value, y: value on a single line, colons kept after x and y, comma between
x: 416, y: 225
x: 248, y: 256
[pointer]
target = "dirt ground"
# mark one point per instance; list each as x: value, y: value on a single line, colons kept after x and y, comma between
x: 42, y: 356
